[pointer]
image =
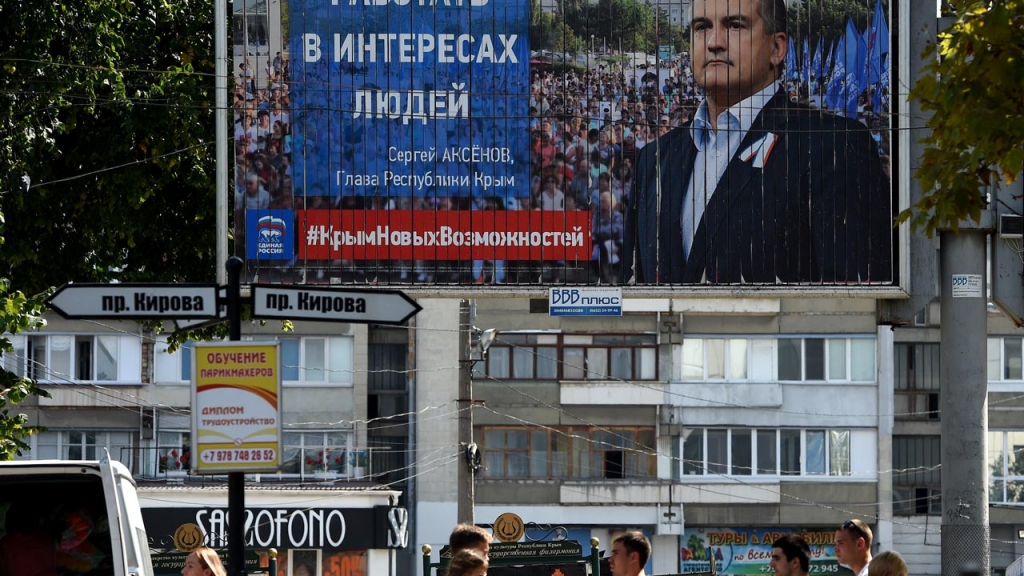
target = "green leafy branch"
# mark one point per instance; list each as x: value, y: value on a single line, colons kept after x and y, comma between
x: 975, y: 90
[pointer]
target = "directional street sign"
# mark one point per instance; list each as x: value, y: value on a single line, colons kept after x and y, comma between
x: 332, y: 304
x: 181, y: 324
x: 135, y: 301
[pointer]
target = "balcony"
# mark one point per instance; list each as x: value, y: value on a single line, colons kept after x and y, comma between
x: 611, y: 393
x: 343, y: 464
x: 597, y: 492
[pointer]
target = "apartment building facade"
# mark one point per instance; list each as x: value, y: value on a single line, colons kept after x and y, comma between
x: 337, y: 504
x: 917, y: 448
x: 710, y: 424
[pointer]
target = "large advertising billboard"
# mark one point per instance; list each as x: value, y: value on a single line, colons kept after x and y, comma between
x: 550, y: 142
x: 749, y: 550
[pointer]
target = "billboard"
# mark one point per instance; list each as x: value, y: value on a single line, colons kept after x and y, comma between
x: 749, y: 550
x: 236, y: 407
x: 543, y: 142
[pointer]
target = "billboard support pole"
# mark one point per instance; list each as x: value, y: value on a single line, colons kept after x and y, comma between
x: 236, y: 480
x: 466, y: 488
x: 963, y: 395
x: 220, y: 49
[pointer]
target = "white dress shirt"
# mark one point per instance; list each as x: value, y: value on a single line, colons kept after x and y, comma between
x: 715, y: 149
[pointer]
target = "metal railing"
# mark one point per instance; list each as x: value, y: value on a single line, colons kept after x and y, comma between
x: 348, y: 464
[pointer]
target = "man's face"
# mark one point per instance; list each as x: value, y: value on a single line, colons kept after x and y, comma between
x: 779, y: 564
x: 846, y: 546
x: 733, y: 56
x: 619, y: 560
x: 485, y: 549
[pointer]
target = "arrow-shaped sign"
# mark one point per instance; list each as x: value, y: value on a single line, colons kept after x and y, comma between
x: 182, y: 324
x: 135, y: 301
x: 332, y: 304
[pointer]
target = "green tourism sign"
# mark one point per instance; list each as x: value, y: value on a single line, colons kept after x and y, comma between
x: 564, y: 557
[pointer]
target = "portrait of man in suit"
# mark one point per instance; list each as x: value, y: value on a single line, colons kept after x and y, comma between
x: 755, y: 188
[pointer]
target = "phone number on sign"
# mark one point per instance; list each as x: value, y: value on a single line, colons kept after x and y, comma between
x: 237, y: 455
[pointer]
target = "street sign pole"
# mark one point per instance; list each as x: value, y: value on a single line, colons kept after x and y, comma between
x: 236, y: 480
x: 199, y: 304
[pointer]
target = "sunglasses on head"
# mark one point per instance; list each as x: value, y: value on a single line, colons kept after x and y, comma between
x: 851, y: 525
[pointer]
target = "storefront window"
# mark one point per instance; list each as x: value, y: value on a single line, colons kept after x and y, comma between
x: 321, y: 563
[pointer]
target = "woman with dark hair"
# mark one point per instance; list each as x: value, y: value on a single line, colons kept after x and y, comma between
x: 468, y: 562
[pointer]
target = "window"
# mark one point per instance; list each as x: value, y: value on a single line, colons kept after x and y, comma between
x: 826, y: 359
x: 328, y: 454
x: 734, y: 452
x: 172, y: 368
x: 251, y: 27
x: 916, y: 368
x: 693, y: 451
x: 715, y: 359
x: 68, y: 358
x: 1006, y: 466
x: 556, y: 356
x: 784, y: 359
x: 1004, y: 359
x: 564, y: 452
x: 81, y: 445
x: 916, y: 475
x: 173, y: 453
x: 317, y: 360
x: 507, y: 454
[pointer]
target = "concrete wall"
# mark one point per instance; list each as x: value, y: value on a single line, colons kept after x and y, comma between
x: 437, y: 430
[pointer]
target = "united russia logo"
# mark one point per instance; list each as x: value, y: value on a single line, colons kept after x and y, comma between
x: 271, y: 231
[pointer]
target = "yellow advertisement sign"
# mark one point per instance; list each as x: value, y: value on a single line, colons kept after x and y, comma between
x: 236, y: 407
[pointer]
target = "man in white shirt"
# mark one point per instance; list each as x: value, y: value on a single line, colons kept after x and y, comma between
x: 853, y: 546
x: 630, y: 552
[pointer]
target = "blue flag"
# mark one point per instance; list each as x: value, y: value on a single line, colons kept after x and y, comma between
x: 877, y: 40
x: 879, y: 35
x: 806, y: 63
x: 816, y: 64
x: 881, y: 96
x: 855, y: 67
x: 791, y: 72
x: 837, y: 74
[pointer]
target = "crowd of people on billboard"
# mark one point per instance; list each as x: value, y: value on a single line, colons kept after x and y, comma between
x: 262, y: 136
x: 588, y: 125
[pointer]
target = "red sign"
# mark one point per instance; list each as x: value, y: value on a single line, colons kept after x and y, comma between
x: 444, y: 235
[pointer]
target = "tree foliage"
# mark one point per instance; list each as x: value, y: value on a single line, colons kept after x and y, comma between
x: 975, y: 91
x: 17, y: 314
x: 826, y: 20
x: 610, y: 21
x: 107, y: 109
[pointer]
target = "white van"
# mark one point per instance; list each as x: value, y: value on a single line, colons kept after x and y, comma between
x: 71, y: 517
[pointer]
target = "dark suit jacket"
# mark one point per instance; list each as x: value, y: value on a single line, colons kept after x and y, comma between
x: 819, y: 211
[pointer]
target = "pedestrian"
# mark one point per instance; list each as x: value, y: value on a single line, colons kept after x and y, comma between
x: 888, y: 563
x: 468, y: 562
x: 470, y: 536
x: 791, y: 556
x: 630, y: 552
x: 853, y: 546
x: 203, y: 561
